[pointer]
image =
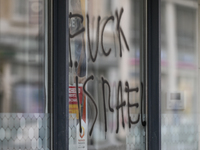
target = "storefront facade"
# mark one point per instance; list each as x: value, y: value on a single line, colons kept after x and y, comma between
x: 90, y: 74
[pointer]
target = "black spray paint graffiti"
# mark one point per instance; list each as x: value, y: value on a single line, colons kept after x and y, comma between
x: 97, y: 38
x: 118, y: 29
x: 123, y: 103
x: 106, y: 54
x: 90, y: 78
x: 104, y: 81
x: 128, y: 90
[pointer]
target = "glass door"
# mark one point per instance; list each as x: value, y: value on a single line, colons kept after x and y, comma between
x: 106, y: 74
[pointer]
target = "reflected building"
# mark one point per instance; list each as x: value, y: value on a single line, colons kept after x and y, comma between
x: 22, y: 56
x: 179, y: 74
x: 24, y: 117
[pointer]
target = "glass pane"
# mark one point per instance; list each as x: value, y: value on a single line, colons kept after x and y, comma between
x: 179, y: 75
x: 24, y: 116
x: 105, y: 75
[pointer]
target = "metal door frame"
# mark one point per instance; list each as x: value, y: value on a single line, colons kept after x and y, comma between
x: 153, y: 75
x: 61, y: 79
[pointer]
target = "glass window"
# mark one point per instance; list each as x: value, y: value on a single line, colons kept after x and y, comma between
x: 179, y: 74
x: 105, y: 78
x: 24, y: 113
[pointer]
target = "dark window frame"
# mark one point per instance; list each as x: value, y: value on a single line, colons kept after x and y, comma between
x: 153, y: 75
x: 60, y: 75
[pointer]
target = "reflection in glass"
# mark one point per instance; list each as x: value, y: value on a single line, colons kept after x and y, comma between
x: 24, y: 117
x: 96, y: 58
x: 179, y: 75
